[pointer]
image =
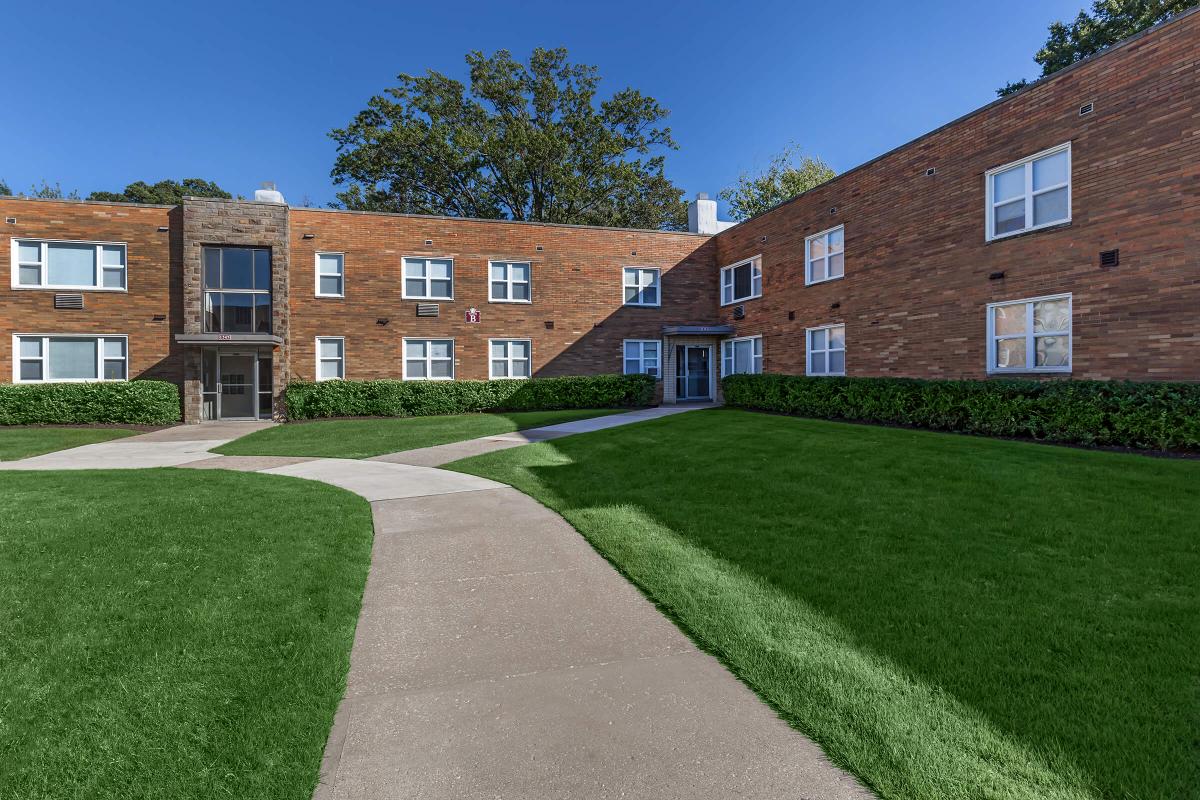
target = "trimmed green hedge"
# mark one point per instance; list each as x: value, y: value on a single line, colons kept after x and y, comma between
x: 1156, y: 416
x: 124, y: 402
x: 389, y: 398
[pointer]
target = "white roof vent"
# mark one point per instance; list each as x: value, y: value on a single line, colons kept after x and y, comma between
x: 268, y: 194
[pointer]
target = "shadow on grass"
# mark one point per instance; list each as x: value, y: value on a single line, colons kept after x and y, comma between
x: 949, y: 617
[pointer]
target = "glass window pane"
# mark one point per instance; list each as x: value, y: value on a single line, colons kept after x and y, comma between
x: 1050, y: 207
x: 633, y: 349
x: 331, y: 348
x: 631, y: 294
x: 414, y: 287
x: 499, y: 369
x: 817, y: 340
x: 31, y: 348
x: 837, y: 338
x: 837, y: 361
x: 441, y: 369
x: 520, y: 291
x: 1008, y: 184
x: 414, y: 348
x: 649, y: 277
x: 439, y: 348
x: 237, y: 268
x: 520, y: 349
x: 816, y: 363
x: 816, y: 270
x: 499, y: 290
x: 1010, y: 217
x: 262, y: 269
x: 1050, y: 171
x: 414, y: 268
x: 741, y: 281
x: 416, y: 369
x: 72, y: 358
x: 631, y: 367
x: 329, y: 264
x: 439, y: 269
x: 112, y: 256
x: 238, y: 316
x: 113, y: 278
x: 520, y: 272
x: 262, y: 313
x: 31, y: 370
x: 29, y: 276
x: 499, y: 349
x: 836, y: 265
x: 1010, y: 353
x: 816, y: 247
x: 29, y: 252
x: 114, y: 370
x: 743, y: 356
x: 837, y: 241
x: 499, y: 271
x: 1052, y: 351
x: 331, y: 284
x: 212, y: 268
x: 331, y: 369
x: 212, y: 312
x: 114, y: 348
x: 1051, y: 316
x: 650, y: 295
x: 1009, y: 320
x: 520, y: 369
x: 439, y: 288
x: 72, y: 265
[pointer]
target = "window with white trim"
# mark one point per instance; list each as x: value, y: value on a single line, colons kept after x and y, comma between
x: 331, y: 274
x: 428, y: 359
x: 428, y: 279
x: 742, y: 281
x: 642, y: 357
x: 53, y: 358
x: 827, y: 350
x: 508, y: 281
x: 742, y: 355
x: 825, y: 256
x: 331, y: 357
x: 39, y: 264
x: 641, y: 286
x: 510, y: 358
x: 1029, y: 194
x: 1030, y: 335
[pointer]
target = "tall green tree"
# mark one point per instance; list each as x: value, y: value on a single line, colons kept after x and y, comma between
x: 521, y: 141
x: 1110, y: 22
x: 166, y: 192
x: 790, y: 173
x: 48, y: 192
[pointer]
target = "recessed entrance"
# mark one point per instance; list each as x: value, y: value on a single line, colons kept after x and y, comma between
x: 236, y: 384
x: 693, y: 372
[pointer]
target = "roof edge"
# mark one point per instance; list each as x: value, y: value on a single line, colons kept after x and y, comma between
x: 83, y: 201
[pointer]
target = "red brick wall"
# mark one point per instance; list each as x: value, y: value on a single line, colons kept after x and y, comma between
x: 576, y: 284
x: 916, y: 270
x: 152, y: 280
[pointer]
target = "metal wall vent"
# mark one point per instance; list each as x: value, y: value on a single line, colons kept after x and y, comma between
x: 427, y: 309
x: 68, y: 301
x: 1086, y: 109
x: 739, y: 312
x: 1110, y: 258
x: 929, y: 173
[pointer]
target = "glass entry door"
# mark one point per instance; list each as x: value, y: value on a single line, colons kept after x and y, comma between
x: 692, y: 373
x: 236, y: 387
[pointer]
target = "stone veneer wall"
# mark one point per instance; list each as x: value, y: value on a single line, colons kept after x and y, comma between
x: 244, y: 223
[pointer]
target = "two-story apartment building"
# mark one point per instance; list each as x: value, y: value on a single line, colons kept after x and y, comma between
x: 1052, y: 233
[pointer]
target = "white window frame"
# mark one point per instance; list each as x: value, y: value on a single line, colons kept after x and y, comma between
x: 989, y: 188
x: 341, y: 359
x: 625, y: 284
x: 509, y: 282
x: 404, y: 279
x: 727, y: 355
x: 729, y: 283
x: 641, y: 359
x: 809, y: 260
x: 340, y: 275
x: 509, y: 360
x: 43, y: 265
x: 45, y: 356
x: 428, y: 358
x: 1030, y: 337
x: 808, y: 350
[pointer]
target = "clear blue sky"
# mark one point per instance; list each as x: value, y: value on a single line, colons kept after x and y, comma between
x: 101, y: 94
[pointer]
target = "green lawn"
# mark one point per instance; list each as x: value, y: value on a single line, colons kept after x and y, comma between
x: 363, y: 438
x: 173, y: 633
x: 25, y: 442
x: 950, y: 617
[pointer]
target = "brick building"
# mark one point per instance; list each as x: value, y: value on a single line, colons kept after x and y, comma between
x: 1055, y: 232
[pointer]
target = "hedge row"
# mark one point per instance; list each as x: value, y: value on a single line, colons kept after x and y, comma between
x: 125, y: 402
x: 387, y: 398
x: 1154, y: 416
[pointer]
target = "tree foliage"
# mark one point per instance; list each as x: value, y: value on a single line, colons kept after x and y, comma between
x: 1110, y: 22
x: 521, y: 141
x: 48, y: 192
x: 166, y: 192
x: 4, y: 190
x: 790, y: 173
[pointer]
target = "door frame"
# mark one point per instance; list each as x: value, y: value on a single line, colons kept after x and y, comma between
x: 254, y: 357
x: 681, y: 371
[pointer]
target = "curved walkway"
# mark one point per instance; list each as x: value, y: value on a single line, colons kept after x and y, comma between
x: 497, y: 655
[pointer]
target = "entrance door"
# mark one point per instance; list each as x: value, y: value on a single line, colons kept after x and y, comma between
x: 692, y: 372
x: 236, y: 387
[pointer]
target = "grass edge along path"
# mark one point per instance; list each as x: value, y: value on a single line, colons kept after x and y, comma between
x: 17, y: 442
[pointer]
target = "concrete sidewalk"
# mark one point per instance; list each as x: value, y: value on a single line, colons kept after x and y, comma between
x: 498, y: 656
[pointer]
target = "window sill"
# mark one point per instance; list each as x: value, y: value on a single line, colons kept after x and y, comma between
x: 1004, y: 237
x: 428, y: 299
x: 1000, y: 373
x: 742, y: 300
x: 71, y: 289
x: 641, y: 305
x: 330, y: 296
x: 512, y: 302
x: 823, y: 280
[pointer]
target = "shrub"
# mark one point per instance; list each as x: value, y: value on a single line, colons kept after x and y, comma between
x: 124, y: 402
x: 1159, y: 416
x: 390, y: 398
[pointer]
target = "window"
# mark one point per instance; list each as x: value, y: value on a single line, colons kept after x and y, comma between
x: 641, y: 357
x: 70, y: 358
x: 741, y: 281
x: 237, y: 289
x: 1029, y: 194
x: 428, y: 279
x: 510, y: 358
x: 331, y: 357
x: 827, y: 350
x: 509, y: 282
x: 331, y: 274
x: 68, y: 265
x: 428, y: 359
x: 741, y: 355
x: 825, y: 256
x: 641, y: 286
x: 1030, y: 335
